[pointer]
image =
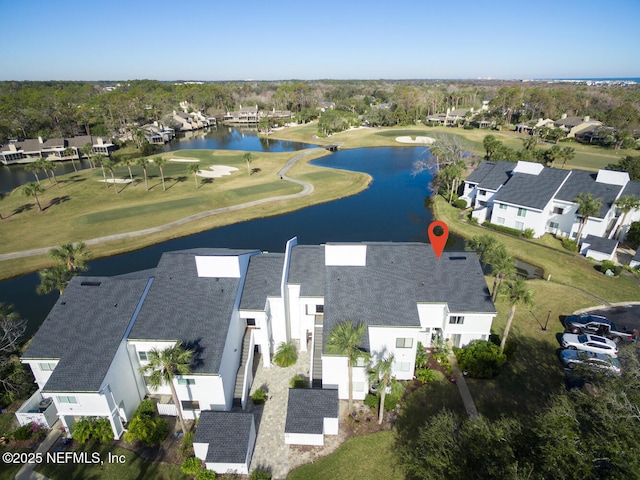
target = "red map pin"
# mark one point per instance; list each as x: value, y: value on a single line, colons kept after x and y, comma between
x: 438, y: 241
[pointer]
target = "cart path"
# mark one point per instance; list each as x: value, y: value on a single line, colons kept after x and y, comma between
x: 307, y: 189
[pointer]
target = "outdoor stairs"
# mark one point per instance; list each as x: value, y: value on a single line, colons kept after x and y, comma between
x: 317, y: 352
x: 237, y: 393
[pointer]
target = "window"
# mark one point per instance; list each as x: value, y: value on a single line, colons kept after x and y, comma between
x: 574, y: 234
x: 186, y: 381
x: 519, y: 226
x: 482, y: 192
x: 402, y: 366
x: 190, y: 405
x: 558, y: 210
x: 456, y: 320
x: 251, y: 322
x: 502, y: 206
x: 143, y: 356
x: 404, y: 342
x: 358, y: 386
x: 319, y: 308
x: 500, y: 220
x: 554, y: 224
x: 67, y: 399
x: 522, y: 212
x: 47, y: 367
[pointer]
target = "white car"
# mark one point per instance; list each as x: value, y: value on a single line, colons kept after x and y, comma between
x: 574, y: 358
x: 590, y: 343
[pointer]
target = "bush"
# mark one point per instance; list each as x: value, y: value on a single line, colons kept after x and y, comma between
x: 146, y: 426
x: 286, y: 355
x: 501, y: 228
x: 460, y: 203
x: 206, y: 475
x: 425, y: 375
x: 97, y: 430
x: 633, y: 235
x: 191, y: 466
x: 422, y: 357
x: 481, y: 359
x: 299, y: 382
x: 472, y: 219
x: 529, y: 233
x: 609, y: 265
x: 30, y: 431
x: 397, y: 392
x: 569, y: 244
x: 260, y: 474
x: 259, y: 396
x: 186, y: 445
x: 147, y: 408
x: 371, y: 401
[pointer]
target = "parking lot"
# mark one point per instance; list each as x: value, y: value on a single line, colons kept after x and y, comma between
x: 627, y: 316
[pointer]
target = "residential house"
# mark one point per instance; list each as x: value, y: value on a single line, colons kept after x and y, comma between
x: 158, y: 134
x: 531, y: 127
x: 245, y: 115
x: 574, y: 125
x: 599, y: 248
x: 451, y: 118
x: 54, y: 149
x: 190, y: 121
x: 527, y: 195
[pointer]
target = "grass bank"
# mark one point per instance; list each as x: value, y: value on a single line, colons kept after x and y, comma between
x: 82, y: 207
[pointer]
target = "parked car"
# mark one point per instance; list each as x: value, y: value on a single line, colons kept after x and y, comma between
x: 589, y: 343
x: 574, y: 358
x: 598, y: 325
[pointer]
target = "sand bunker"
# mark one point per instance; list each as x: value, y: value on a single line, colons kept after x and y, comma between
x: 217, y: 171
x: 117, y: 180
x: 186, y: 160
x: 419, y: 140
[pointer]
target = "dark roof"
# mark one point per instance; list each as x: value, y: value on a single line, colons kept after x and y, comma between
x: 227, y: 433
x: 530, y: 190
x: 491, y: 175
x: 183, y: 307
x: 636, y: 257
x: 263, y: 279
x: 631, y: 188
x: 307, y: 409
x: 84, y: 329
x: 602, y: 245
x: 397, y: 277
x: 307, y: 269
x: 581, y: 181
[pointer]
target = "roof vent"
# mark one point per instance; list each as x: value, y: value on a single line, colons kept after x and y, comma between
x: 90, y: 284
x: 457, y: 258
x: 63, y: 303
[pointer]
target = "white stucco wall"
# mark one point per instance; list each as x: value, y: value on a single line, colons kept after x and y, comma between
x: 509, y: 217
x: 330, y: 426
x: 41, y: 376
x: 304, y: 439
x: 123, y: 380
x: 335, y: 374
x: 382, y: 342
x: 475, y: 327
x: 432, y: 314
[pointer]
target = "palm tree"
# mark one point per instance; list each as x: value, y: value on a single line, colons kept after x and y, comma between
x: 142, y: 162
x: 50, y: 167
x: 54, y: 278
x: 529, y: 143
x: 194, y: 168
x: 248, y: 158
x: 551, y: 155
x: 587, y: 207
x: 286, y: 355
x: 100, y: 159
x: 502, y: 265
x: 482, y: 245
x: 516, y: 293
x: 34, y: 167
x: 160, y: 162
x: 70, y: 152
x: 162, y: 368
x: 32, y: 189
x: 626, y: 203
x: 382, y: 373
x: 344, y: 340
x: 128, y: 162
x: 73, y: 257
x: 566, y: 154
x: 109, y: 165
x: 87, y: 150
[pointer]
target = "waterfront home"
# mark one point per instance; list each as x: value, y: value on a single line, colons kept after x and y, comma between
x: 244, y: 115
x: 54, y: 149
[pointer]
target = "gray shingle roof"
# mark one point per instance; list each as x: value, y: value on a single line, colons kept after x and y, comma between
x: 581, y: 181
x: 307, y: 409
x: 491, y: 175
x: 636, y: 257
x: 181, y: 306
x: 263, y: 279
x: 533, y: 191
x: 307, y: 269
x: 602, y: 245
x: 631, y: 188
x: 84, y: 329
x: 398, y: 277
x: 227, y: 433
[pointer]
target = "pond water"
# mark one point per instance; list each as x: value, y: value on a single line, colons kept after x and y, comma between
x: 393, y: 208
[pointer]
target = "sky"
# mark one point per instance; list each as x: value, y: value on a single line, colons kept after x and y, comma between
x: 348, y: 39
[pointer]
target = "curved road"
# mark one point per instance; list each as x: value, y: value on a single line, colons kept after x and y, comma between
x: 307, y: 189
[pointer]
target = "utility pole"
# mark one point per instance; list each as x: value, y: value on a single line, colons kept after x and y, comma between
x: 544, y: 329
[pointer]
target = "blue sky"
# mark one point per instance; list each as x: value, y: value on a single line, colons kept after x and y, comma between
x: 212, y: 40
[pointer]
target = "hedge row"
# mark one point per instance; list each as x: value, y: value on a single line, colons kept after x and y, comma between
x: 501, y: 228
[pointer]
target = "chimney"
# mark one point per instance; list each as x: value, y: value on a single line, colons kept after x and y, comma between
x: 564, y: 115
x: 587, y: 118
x: 40, y: 139
x: 100, y: 141
x: 12, y: 147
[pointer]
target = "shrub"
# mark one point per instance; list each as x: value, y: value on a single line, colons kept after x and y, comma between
x: 299, y: 382
x: 371, y: 400
x: 286, y: 355
x: 609, y: 265
x: 529, y: 233
x: 150, y: 431
x: 191, y: 466
x: 206, y: 475
x: 460, y: 203
x: 30, y: 431
x: 472, y: 219
x: 422, y: 357
x: 481, y: 359
x: 392, y: 398
x: 501, y: 228
x: 569, y: 244
x: 102, y: 432
x: 186, y: 445
x: 97, y: 430
x: 259, y: 396
x: 425, y: 375
x: 633, y: 234
x: 260, y: 474
x: 146, y: 407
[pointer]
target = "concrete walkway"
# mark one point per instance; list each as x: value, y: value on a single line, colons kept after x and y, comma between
x: 307, y: 189
x: 26, y: 472
x: 270, y: 452
x: 465, y: 394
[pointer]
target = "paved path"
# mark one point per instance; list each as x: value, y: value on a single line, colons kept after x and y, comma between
x: 307, y: 189
x: 467, y: 399
x: 26, y: 472
x: 270, y: 451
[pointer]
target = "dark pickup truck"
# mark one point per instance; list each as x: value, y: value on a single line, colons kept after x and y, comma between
x: 597, y: 325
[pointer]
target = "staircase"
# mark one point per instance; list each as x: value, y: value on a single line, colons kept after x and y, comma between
x: 316, y: 374
x: 237, y: 393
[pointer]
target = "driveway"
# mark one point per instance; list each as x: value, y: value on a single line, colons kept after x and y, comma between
x: 627, y: 315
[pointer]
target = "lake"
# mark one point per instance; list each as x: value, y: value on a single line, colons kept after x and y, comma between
x: 393, y: 208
